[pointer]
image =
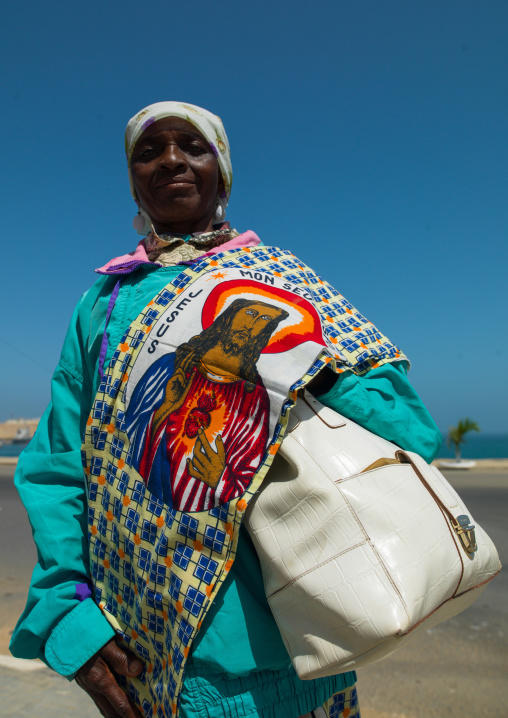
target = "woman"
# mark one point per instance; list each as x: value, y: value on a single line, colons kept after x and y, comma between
x: 173, y: 372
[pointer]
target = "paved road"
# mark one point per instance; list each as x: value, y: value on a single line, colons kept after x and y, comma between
x: 455, y: 670
x: 17, y: 555
x: 458, y: 668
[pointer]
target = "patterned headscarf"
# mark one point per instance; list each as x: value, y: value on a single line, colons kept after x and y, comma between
x: 211, y: 128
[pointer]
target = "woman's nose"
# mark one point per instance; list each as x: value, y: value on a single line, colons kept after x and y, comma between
x: 172, y: 156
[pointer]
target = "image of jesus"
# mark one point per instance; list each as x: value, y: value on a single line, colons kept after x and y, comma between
x: 198, y: 419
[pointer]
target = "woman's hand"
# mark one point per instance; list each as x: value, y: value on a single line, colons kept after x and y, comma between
x: 96, y: 679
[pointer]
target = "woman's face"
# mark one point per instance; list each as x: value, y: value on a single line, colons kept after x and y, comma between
x: 176, y: 176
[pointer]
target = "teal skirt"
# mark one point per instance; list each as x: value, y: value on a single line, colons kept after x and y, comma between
x: 267, y: 694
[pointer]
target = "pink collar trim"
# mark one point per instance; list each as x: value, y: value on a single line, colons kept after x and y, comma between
x: 127, y: 263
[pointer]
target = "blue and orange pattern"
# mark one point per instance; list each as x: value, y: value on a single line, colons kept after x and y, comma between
x: 157, y: 570
x: 343, y: 704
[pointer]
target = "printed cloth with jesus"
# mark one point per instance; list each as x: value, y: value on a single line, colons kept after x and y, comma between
x: 187, y: 419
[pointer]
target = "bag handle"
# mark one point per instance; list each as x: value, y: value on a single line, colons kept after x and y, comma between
x: 332, y: 419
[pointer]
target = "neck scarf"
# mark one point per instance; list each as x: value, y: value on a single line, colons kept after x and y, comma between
x: 168, y: 249
x: 211, y: 128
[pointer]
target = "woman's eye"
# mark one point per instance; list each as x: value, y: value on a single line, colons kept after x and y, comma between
x: 194, y: 148
x: 144, y: 153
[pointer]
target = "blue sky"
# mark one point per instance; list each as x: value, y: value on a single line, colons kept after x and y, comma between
x: 368, y: 137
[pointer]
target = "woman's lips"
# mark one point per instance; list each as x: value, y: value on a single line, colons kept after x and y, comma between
x: 174, y: 183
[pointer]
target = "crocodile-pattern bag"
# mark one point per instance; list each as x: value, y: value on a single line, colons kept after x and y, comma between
x: 361, y: 544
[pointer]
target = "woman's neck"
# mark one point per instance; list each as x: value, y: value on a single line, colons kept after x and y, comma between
x: 184, y: 227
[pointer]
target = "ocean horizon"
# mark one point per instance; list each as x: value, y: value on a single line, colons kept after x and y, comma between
x: 476, y: 446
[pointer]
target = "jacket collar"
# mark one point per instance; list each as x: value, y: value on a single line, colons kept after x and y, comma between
x: 127, y: 263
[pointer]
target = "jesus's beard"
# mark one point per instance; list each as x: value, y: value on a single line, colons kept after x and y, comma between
x: 246, y: 349
x: 233, y: 348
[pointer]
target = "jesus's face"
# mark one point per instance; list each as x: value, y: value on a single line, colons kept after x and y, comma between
x: 247, y: 324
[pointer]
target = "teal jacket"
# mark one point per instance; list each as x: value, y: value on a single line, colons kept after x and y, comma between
x: 61, y: 623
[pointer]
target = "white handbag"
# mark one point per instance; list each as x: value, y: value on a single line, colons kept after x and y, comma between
x: 361, y: 544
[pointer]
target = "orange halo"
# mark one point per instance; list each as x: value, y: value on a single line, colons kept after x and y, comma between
x: 308, y: 328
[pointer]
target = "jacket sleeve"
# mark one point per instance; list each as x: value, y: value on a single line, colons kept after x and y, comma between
x: 61, y: 624
x: 384, y: 402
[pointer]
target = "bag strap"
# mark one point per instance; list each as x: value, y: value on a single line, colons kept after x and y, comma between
x: 461, y: 524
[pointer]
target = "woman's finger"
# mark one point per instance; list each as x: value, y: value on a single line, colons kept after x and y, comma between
x: 96, y: 679
x: 112, y: 701
x: 104, y: 706
x: 121, y: 661
x: 100, y: 684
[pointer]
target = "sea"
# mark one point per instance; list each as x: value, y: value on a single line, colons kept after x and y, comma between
x: 477, y: 446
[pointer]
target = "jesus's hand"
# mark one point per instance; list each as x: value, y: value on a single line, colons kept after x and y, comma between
x: 206, y: 464
x: 175, y: 393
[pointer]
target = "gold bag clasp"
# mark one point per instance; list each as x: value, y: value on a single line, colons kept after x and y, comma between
x: 465, y: 531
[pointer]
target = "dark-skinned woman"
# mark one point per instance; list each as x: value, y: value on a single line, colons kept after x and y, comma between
x: 167, y: 408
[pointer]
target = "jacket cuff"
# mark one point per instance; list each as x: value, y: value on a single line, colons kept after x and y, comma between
x: 77, y: 637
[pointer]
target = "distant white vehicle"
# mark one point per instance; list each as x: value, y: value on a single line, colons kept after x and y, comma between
x: 457, y: 464
x: 22, y: 436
